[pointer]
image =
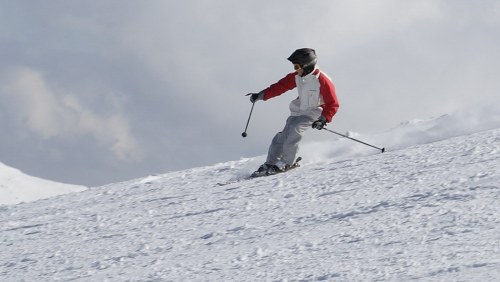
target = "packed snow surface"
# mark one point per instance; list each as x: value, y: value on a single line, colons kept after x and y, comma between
x: 17, y: 187
x: 427, y: 209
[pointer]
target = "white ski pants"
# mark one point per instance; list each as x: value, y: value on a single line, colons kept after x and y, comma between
x: 285, y: 144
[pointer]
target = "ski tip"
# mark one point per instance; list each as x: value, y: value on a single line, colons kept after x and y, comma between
x: 383, y: 150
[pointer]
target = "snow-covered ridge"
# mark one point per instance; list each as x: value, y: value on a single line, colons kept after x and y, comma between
x: 17, y: 187
x: 407, y: 133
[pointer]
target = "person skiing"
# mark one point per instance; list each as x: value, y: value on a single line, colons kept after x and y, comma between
x: 315, y: 106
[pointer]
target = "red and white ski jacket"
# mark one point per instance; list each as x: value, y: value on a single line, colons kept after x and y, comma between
x: 316, y: 94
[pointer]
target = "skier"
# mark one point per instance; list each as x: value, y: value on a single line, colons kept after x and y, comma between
x: 315, y: 106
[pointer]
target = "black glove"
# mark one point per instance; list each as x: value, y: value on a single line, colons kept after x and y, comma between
x: 254, y: 97
x: 320, y: 123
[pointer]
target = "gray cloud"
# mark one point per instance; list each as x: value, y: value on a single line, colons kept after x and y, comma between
x: 97, y: 92
x: 50, y: 115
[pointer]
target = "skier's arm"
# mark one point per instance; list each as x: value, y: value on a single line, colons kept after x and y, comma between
x: 280, y: 87
x: 327, y: 91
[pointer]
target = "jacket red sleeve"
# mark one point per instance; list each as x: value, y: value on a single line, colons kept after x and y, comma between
x: 280, y: 87
x: 327, y: 91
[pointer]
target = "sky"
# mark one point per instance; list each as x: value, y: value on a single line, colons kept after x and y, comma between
x: 95, y: 92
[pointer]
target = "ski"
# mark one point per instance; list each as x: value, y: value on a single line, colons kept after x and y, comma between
x: 254, y: 175
x: 269, y: 173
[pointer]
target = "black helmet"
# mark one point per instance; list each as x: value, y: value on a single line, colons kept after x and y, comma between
x: 304, y: 57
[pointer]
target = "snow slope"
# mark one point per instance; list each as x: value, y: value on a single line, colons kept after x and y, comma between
x: 428, y: 209
x: 17, y: 187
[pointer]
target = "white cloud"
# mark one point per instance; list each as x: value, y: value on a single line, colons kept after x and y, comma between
x: 50, y: 114
x: 364, y: 20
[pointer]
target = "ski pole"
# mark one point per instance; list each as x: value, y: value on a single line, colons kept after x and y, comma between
x: 381, y: 149
x: 244, y: 134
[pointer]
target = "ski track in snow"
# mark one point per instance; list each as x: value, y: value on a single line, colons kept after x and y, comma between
x: 428, y: 212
